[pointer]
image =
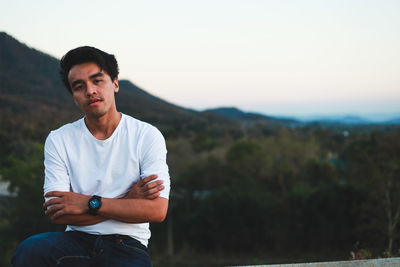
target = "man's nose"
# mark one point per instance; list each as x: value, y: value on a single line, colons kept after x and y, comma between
x: 91, y: 89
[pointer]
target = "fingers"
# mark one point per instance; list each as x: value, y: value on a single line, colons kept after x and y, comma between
x: 57, y: 214
x: 149, y: 188
x: 148, y: 179
x: 152, y: 185
x: 65, y: 203
x: 54, y: 194
x: 51, y: 211
x: 52, y: 202
x: 154, y: 190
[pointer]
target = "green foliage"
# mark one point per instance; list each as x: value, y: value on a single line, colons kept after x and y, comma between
x: 277, y: 193
x: 23, y: 215
x: 203, y: 142
x: 247, y: 160
x: 287, y: 192
x: 374, y: 164
x: 26, y: 180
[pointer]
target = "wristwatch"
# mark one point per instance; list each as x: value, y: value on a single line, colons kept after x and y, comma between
x: 94, y: 205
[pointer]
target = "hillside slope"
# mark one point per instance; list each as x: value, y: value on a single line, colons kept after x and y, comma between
x: 33, y: 100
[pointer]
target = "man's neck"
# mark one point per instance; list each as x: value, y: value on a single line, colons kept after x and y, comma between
x: 103, y: 127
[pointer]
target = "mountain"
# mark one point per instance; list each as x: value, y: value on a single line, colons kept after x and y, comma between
x: 327, y: 120
x: 230, y: 112
x: 171, y: 118
x: 252, y: 118
x: 33, y: 100
x: 394, y: 121
x: 345, y: 119
x: 353, y: 120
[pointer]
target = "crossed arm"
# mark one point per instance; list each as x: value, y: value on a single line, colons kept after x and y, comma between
x: 141, y: 204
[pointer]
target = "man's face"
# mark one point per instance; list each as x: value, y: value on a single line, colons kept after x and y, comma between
x: 92, y: 89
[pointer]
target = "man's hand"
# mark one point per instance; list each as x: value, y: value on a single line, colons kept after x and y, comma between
x: 146, y: 190
x: 65, y: 203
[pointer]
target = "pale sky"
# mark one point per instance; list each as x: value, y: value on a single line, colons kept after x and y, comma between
x: 277, y: 57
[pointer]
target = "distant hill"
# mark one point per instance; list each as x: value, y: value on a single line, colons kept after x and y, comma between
x: 32, y: 97
x: 171, y: 118
x: 33, y: 100
x: 394, y: 121
x: 346, y: 119
x: 230, y: 112
x: 251, y: 118
x: 350, y: 120
x: 327, y: 120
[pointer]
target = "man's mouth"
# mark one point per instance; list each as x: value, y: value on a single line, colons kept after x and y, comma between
x: 93, y: 101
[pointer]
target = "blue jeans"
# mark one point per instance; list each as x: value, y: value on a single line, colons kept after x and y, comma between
x: 78, y: 249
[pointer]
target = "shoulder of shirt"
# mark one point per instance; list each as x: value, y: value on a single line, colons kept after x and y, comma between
x: 141, y: 126
x: 66, y: 129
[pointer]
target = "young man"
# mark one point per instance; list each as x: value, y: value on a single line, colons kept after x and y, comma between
x: 106, y: 176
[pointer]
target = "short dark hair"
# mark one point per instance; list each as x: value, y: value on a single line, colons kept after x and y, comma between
x: 83, y: 54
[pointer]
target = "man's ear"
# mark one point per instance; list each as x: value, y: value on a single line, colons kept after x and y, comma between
x: 116, y: 86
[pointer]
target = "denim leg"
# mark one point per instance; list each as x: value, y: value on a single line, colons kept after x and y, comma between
x: 53, y: 249
x: 121, y: 252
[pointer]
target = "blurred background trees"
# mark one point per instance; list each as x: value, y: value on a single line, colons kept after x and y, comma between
x: 290, y: 194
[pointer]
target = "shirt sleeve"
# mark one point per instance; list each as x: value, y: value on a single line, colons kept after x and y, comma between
x: 153, y: 156
x: 56, y: 176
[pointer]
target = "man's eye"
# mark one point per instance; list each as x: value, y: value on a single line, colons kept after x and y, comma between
x: 77, y: 88
x: 97, y: 81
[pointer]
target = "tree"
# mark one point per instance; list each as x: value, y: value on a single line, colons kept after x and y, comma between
x: 374, y: 162
x: 24, y: 214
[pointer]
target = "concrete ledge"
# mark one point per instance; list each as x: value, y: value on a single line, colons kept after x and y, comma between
x: 387, y: 262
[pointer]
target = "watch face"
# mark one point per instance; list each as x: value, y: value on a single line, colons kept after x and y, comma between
x: 94, y: 203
